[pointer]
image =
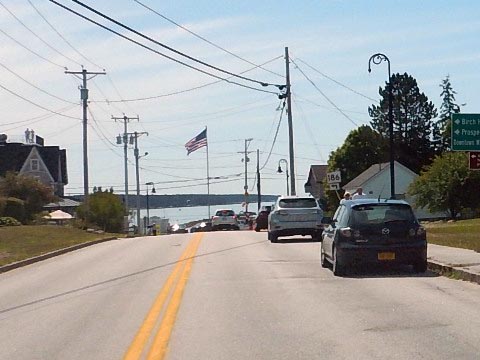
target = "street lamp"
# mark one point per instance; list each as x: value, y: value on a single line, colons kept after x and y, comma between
x: 148, y: 202
x: 279, y: 170
x: 377, y: 59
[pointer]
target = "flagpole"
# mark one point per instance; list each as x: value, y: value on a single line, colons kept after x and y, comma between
x: 208, y: 177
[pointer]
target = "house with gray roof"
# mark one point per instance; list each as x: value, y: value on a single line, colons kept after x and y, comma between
x: 375, y: 182
x: 48, y: 164
x: 314, y: 184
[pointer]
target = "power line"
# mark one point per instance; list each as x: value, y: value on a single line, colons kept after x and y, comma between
x: 337, y: 82
x: 38, y: 37
x: 275, y: 137
x: 181, y: 91
x: 31, y: 51
x: 158, y: 52
x: 116, y: 22
x: 204, y: 39
x: 35, y: 104
x: 62, y: 37
x: 323, y: 94
x: 36, y: 87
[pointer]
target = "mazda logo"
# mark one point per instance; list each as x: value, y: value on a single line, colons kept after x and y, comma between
x: 385, y: 231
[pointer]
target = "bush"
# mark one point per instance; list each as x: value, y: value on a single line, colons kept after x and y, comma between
x: 9, y: 221
x: 15, y: 208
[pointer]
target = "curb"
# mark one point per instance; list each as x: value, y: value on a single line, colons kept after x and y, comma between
x: 51, y: 254
x: 453, y: 271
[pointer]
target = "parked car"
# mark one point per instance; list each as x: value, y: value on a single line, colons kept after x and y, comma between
x: 295, y: 216
x: 373, y: 231
x: 224, y: 219
x: 261, y: 221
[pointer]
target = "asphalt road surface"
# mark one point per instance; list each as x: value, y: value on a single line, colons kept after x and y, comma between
x: 229, y: 295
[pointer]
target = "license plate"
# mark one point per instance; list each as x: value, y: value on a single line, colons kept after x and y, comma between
x: 386, y: 256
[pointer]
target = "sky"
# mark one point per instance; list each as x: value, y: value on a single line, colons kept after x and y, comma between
x: 330, y: 43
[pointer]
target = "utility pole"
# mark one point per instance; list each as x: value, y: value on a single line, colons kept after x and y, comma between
x: 124, y: 138
x: 259, y: 192
x: 290, y: 125
x: 84, y: 98
x: 137, y: 171
x: 246, y: 160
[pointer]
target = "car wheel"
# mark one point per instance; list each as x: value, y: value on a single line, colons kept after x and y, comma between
x: 257, y: 229
x: 323, y: 259
x: 338, y: 270
x: 420, y: 267
x: 273, y: 238
x: 236, y: 228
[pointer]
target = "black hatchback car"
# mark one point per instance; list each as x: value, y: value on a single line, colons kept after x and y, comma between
x: 373, y: 231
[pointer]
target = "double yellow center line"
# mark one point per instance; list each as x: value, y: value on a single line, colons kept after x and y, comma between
x: 176, y: 280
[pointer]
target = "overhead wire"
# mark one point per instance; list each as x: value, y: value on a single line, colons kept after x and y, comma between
x: 36, y: 87
x: 35, y: 104
x: 118, y: 23
x: 338, y: 82
x: 158, y: 52
x: 323, y: 94
x: 275, y: 137
x: 204, y: 39
x: 33, y: 52
x: 185, y: 90
x: 38, y: 37
x: 62, y: 37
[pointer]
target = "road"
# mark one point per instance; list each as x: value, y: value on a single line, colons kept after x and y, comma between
x: 229, y: 295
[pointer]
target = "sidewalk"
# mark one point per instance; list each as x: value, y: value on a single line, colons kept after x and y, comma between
x: 459, y: 263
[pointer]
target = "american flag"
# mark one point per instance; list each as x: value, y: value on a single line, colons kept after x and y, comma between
x: 197, y: 142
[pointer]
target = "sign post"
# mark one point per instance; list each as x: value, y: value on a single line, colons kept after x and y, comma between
x: 466, y: 132
x: 334, y: 179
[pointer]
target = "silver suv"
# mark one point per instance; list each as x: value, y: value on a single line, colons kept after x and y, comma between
x: 224, y: 219
x: 295, y: 216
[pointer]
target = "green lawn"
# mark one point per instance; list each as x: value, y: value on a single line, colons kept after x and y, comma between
x: 463, y: 234
x: 22, y: 242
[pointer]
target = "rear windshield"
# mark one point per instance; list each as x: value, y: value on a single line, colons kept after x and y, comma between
x: 298, y: 203
x: 225, y: 213
x: 381, y: 213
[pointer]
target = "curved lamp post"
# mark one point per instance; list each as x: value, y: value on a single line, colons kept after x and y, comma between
x: 377, y: 59
x: 279, y: 170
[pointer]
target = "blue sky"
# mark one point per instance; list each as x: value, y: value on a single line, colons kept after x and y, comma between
x: 427, y: 39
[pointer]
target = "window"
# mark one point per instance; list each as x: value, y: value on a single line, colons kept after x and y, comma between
x: 34, y: 165
x: 225, y: 213
x: 298, y: 203
x: 376, y: 214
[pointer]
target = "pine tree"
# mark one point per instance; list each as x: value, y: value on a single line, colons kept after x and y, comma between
x: 412, y: 121
x: 443, y: 126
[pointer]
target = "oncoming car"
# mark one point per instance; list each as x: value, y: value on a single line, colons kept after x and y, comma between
x: 295, y: 216
x: 224, y: 219
x: 373, y: 231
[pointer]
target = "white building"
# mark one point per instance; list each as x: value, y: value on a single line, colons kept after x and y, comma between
x: 375, y: 182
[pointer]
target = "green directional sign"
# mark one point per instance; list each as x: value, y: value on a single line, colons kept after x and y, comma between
x: 466, y: 132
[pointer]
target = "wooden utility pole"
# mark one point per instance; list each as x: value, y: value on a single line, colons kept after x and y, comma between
x: 84, y: 98
x: 290, y: 126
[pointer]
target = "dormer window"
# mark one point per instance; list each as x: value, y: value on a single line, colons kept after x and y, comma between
x: 34, y: 165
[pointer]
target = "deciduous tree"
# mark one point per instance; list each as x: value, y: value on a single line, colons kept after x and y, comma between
x: 447, y: 184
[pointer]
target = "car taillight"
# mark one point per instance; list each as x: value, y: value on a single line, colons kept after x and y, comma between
x: 214, y: 217
x: 421, y: 231
x: 234, y: 216
x: 346, y: 232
